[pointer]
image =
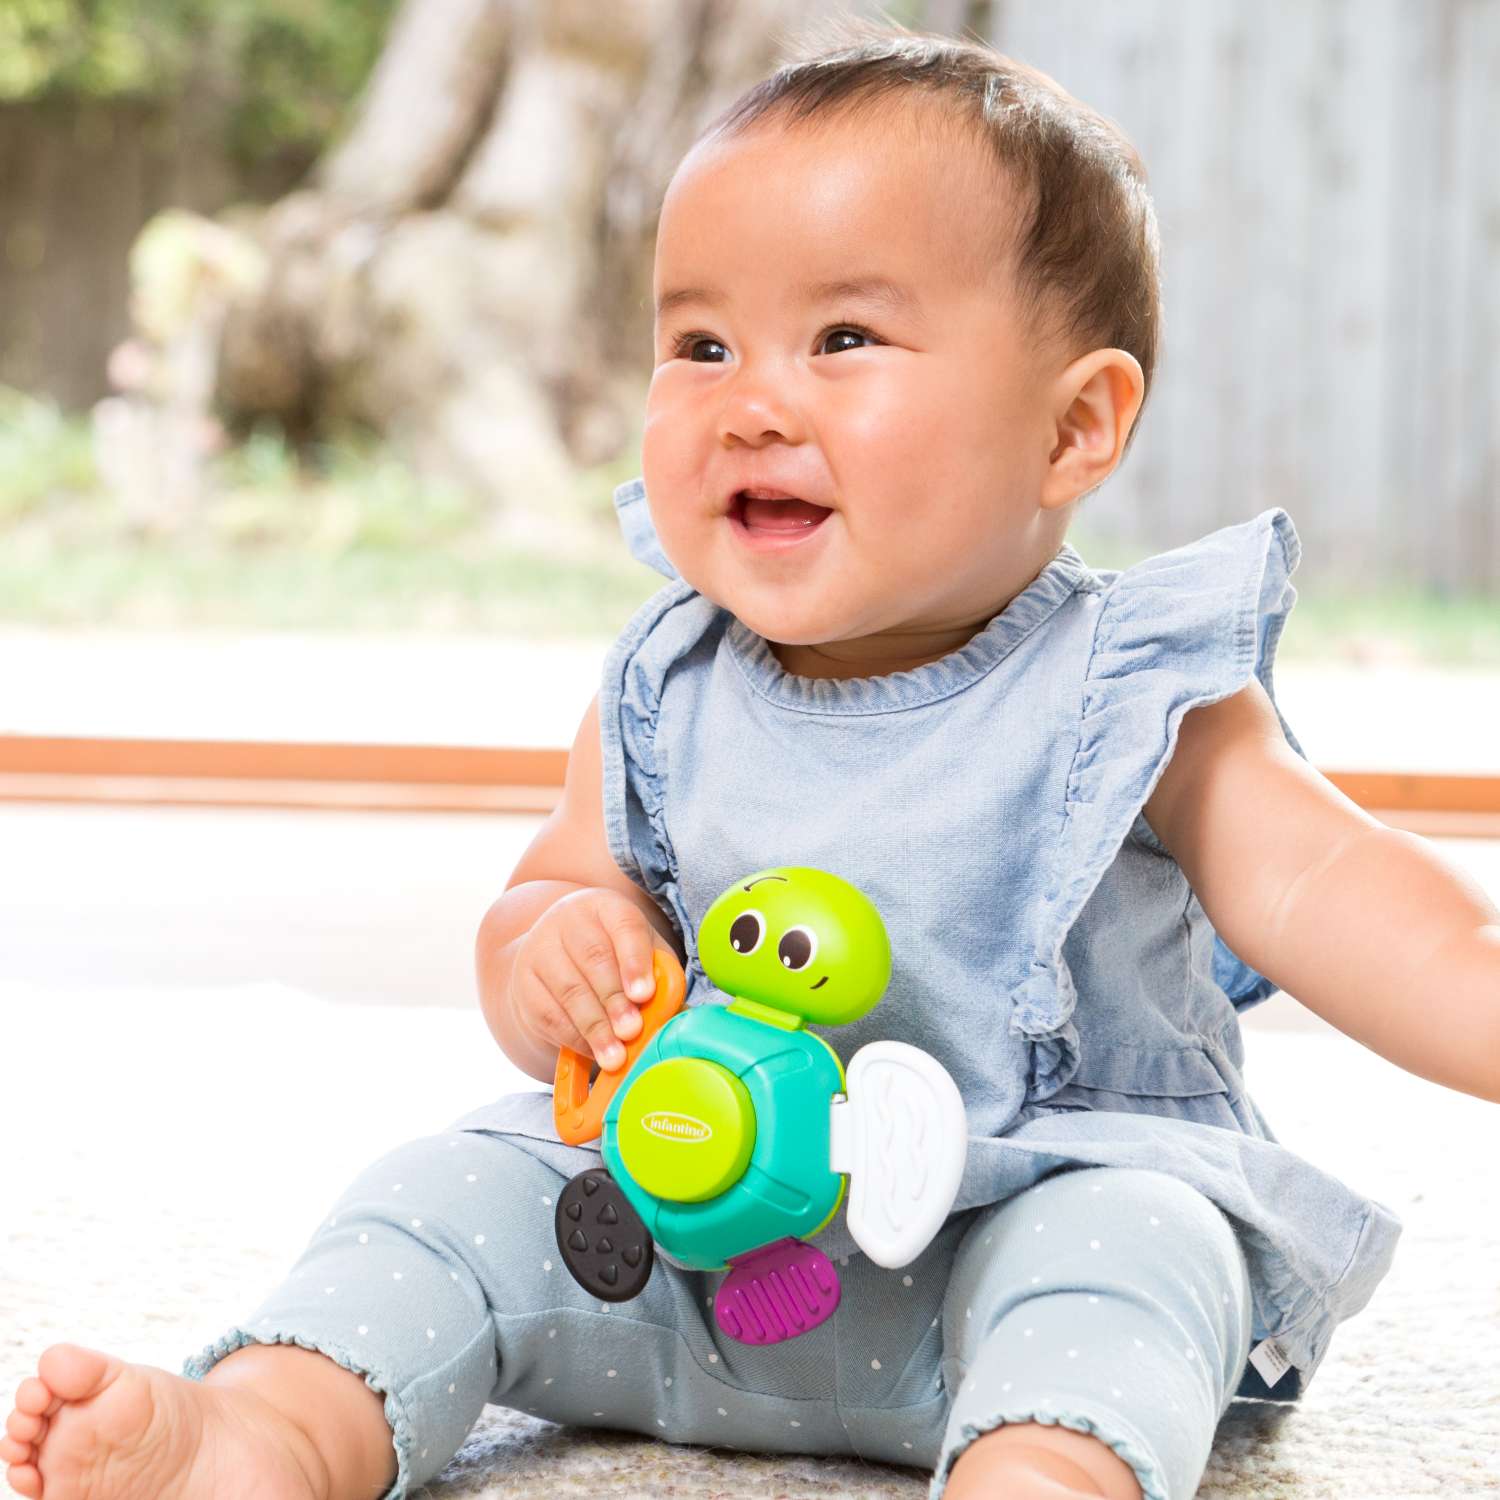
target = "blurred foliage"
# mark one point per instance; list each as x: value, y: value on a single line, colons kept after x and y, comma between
x: 349, y: 537
x: 287, y: 69
x: 44, y: 453
x: 344, y: 536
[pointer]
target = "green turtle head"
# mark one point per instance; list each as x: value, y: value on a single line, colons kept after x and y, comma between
x: 799, y: 939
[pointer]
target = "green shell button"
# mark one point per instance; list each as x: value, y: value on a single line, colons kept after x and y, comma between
x: 686, y: 1129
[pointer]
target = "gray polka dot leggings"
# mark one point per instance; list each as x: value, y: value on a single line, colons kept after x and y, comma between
x: 1114, y: 1300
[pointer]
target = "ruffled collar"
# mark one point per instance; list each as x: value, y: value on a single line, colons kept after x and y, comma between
x: 933, y: 680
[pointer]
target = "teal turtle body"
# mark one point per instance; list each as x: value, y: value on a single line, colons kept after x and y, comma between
x: 786, y: 1187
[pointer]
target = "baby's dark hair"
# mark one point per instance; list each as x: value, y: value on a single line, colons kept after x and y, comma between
x: 1084, y: 256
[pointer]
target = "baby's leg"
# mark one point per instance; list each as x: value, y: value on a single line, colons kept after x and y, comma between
x: 360, y: 1375
x: 485, y: 1311
x: 424, y: 1257
x: 1103, y: 1317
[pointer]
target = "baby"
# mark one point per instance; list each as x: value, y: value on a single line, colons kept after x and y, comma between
x: 906, y: 320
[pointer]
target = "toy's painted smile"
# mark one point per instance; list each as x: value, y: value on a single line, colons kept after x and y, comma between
x: 819, y: 985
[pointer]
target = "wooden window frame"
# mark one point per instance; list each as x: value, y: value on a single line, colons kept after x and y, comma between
x: 457, y: 778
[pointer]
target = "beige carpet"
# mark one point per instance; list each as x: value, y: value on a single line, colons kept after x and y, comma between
x: 167, y: 1154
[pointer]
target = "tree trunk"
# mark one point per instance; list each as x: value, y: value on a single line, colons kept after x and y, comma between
x: 469, y: 269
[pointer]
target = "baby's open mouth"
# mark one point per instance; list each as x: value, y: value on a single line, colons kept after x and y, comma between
x: 778, y: 515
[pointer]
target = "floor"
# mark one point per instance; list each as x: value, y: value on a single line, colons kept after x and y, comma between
x: 380, y: 908
x: 146, y: 1238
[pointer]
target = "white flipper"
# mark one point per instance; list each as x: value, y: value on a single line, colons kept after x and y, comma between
x: 901, y: 1136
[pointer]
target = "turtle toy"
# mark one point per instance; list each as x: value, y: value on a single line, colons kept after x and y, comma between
x: 730, y: 1131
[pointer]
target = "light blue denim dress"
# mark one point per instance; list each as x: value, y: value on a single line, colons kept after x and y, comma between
x: 1046, y: 950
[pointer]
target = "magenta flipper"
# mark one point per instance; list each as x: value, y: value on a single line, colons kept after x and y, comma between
x: 776, y: 1292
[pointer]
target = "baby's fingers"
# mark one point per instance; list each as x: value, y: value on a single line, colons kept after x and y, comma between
x: 602, y: 949
x: 636, y: 950
x: 562, y: 1005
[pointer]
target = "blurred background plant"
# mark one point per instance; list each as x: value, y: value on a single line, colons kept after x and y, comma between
x: 288, y: 69
x: 342, y: 534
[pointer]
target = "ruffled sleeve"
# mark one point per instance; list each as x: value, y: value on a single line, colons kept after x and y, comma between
x: 663, y: 631
x: 1182, y: 629
x: 629, y: 702
x: 636, y: 526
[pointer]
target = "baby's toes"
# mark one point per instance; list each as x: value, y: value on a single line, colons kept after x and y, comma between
x: 74, y: 1373
x: 33, y: 1397
x: 25, y: 1426
x: 14, y: 1451
x: 25, y: 1480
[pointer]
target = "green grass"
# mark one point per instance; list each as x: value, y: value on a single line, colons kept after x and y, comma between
x: 1399, y: 625
x: 348, y: 539
x: 352, y: 540
x: 133, y: 585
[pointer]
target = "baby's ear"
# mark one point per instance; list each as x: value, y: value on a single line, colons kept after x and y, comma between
x: 1099, y: 397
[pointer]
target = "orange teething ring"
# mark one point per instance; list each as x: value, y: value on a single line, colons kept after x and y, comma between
x: 577, y: 1110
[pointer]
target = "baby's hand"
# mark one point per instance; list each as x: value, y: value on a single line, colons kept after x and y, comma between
x: 582, y: 970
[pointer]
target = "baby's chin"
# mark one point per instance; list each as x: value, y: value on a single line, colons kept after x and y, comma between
x: 771, y: 613
x: 791, y: 612
x: 784, y: 629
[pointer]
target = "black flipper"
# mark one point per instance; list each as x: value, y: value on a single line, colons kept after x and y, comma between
x: 602, y: 1240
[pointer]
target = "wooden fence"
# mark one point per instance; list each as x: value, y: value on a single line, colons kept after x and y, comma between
x: 1327, y: 180
x: 78, y: 179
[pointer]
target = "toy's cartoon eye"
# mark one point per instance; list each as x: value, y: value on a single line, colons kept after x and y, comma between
x: 797, y: 948
x: 748, y: 929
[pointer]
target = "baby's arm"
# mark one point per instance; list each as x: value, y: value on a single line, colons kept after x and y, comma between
x: 1362, y: 923
x: 569, y: 853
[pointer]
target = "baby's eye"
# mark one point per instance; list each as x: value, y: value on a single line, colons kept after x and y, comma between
x: 688, y: 343
x: 850, y: 328
x: 692, y: 340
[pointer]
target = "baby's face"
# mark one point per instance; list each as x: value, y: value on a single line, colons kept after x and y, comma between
x: 928, y: 436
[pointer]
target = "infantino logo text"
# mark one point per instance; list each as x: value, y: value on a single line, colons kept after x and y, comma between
x: 669, y: 1125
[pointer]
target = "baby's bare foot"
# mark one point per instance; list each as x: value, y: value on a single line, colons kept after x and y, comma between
x: 90, y: 1427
